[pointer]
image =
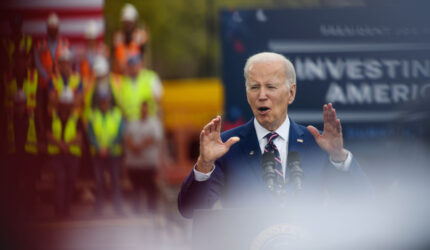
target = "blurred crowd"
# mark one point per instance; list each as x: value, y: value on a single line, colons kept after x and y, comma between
x: 69, y: 110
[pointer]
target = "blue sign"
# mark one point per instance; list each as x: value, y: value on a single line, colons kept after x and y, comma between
x: 371, y: 63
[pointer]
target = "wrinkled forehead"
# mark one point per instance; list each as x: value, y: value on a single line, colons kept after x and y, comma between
x: 266, y: 71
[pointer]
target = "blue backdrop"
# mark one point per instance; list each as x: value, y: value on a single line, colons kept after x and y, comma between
x: 372, y: 63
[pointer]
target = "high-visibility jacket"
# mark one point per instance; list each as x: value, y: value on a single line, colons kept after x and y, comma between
x: 31, y: 141
x: 122, y: 50
x: 131, y: 95
x: 70, y: 132
x: 89, y: 88
x: 25, y: 44
x: 72, y: 82
x: 30, y: 89
x: 48, y: 61
x: 106, y: 127
x: 85, y: 63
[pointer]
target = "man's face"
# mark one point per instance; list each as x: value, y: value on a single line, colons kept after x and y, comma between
x: 134, y: 69
x: 267, y: 93
x: 104, y: 104
x: 52, y: 31
x: 127, y: 26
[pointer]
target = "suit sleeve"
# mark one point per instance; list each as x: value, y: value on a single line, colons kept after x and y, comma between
x: 200, y: 194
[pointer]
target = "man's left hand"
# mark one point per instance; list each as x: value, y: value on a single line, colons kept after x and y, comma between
x: 331, y: 139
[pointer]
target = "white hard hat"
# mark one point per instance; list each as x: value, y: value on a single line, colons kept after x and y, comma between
x: 67, y: 96
x: 53, y: 20
x: 91, y: 31
x: 100, y: 66
x: 129, y: 13
x: 65, y: 55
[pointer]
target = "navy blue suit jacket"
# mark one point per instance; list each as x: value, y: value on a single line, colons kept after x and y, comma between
x: 237, y: 179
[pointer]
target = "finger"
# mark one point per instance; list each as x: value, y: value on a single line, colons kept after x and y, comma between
x: 314, y: 131
x: 331, y: 121
x: 338, y: 126
x: 332, y: 113
x: 325, y: 115
x: 231, y: 141
x: 207, y: 128
x: 211, y: 127
x: 218, y: 124
x: 202, y: 134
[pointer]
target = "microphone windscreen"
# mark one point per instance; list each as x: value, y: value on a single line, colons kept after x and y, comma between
x: 293, y: 156
x: 268, y: 156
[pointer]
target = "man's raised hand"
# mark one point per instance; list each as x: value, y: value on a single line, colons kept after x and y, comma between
x: 211, y: 145
x: 331, y: 140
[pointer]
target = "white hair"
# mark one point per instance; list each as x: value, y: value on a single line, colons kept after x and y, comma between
x: 290, y: 73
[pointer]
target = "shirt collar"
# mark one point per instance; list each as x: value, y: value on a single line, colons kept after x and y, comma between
x: 282, y: 131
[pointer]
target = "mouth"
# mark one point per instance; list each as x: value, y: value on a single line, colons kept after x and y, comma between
x: 263, y: 110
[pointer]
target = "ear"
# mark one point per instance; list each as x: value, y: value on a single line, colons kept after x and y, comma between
x: 292, y: 93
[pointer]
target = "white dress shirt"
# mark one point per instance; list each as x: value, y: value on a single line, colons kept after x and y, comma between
x: 281, y: 143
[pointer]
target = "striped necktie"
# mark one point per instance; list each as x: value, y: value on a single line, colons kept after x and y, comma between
x: 271, y: 147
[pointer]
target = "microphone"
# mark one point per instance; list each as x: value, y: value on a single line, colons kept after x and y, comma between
x: 269, y: 174
x: 296, y: 171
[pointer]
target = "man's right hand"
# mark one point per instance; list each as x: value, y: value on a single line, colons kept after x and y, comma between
x: 211, y: 145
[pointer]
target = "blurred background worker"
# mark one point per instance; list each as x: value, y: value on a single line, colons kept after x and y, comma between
x: 143, y: 139
x: 105, y: 133
x: 18, y: 43
x: 131, y: 39
x: 86, y: 56
x: 24, y: 132
x: 65, y: 78
x: 101, y: 71
x: 24, y: 80
x: 64, y: 138
x: 26, y: 162
x: 139, y: 85
x: 48, y: 50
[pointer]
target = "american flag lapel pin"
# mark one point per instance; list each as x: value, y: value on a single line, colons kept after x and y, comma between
x: 300, y: 140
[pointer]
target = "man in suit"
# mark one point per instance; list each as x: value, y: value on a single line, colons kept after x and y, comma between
x: 229, y: 164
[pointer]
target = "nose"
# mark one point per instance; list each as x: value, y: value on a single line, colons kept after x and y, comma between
x: 262, y: 94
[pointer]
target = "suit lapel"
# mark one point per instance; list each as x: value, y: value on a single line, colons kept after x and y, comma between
x: 251, y: 148
x: 295, y: 138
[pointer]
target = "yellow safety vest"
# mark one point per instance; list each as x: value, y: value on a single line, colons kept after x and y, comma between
x: 25, y: 44
x: 131, y: 95
x: 58, y: 82
x: 30, y: 90
x: 69, y: 134
x: 89, y: 94
x: 31, y: 142
x: 106, y: 128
